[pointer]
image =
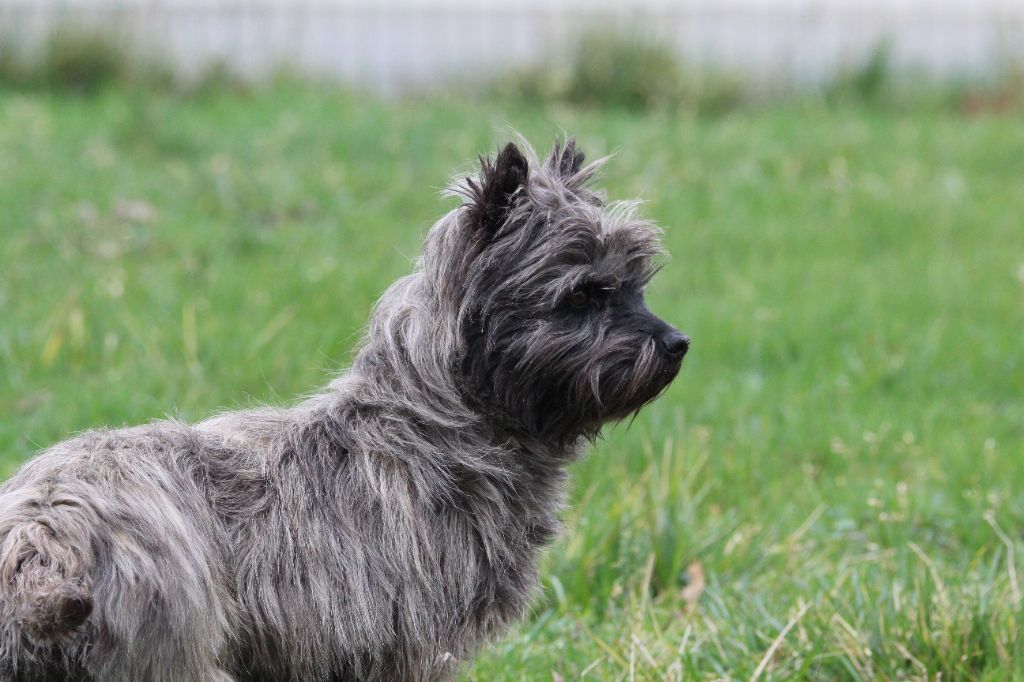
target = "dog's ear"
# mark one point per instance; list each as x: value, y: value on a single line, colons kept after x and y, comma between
x: 568, y: 160
x: 500, y: 182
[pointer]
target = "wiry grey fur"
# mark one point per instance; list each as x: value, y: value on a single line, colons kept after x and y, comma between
x: 384, y: 528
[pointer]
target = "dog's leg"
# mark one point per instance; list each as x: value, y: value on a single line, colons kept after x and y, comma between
x: 109, y: 584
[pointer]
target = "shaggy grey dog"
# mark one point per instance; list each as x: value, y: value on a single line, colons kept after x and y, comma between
x: 384, y: 528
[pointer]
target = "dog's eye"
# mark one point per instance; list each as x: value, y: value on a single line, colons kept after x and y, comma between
x: 579, y: 298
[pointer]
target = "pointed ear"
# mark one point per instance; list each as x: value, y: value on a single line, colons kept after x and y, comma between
x: 494, y: 194
x: 567, y: 160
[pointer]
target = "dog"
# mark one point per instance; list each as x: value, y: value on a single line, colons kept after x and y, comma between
x: 386, y: 527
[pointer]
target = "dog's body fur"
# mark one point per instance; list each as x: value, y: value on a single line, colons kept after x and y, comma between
x: 382, y: 529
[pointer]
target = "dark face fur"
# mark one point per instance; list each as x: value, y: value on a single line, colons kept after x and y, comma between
x: 557, y: 337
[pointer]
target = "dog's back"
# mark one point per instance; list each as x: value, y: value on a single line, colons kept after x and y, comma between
x: 259, y: 545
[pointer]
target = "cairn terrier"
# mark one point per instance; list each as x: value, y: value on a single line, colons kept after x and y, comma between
x: 385, y: 528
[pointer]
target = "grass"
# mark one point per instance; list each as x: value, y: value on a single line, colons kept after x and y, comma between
x: 831, y: 490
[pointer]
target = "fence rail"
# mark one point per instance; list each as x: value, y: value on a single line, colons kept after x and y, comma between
x: 398, y: 45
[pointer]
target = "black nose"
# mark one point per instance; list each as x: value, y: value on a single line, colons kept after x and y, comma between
x: 675, y: 343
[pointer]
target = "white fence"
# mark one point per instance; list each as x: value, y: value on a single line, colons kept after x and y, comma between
x: 394, y: 45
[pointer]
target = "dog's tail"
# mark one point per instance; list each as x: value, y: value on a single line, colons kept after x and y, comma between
x: 42, y: 568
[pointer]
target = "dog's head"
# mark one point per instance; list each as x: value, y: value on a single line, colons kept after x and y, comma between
x: 547, y: 282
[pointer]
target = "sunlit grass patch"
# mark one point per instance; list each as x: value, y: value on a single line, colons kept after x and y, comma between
x: 831, y: 490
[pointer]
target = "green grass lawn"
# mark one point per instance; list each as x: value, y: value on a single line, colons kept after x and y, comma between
x: 841, y: 455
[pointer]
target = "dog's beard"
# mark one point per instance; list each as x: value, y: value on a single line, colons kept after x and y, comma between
x: 628, y: 384
x: 600, y: 388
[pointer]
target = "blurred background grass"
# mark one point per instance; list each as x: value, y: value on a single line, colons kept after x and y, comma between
x: 832, y: 488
